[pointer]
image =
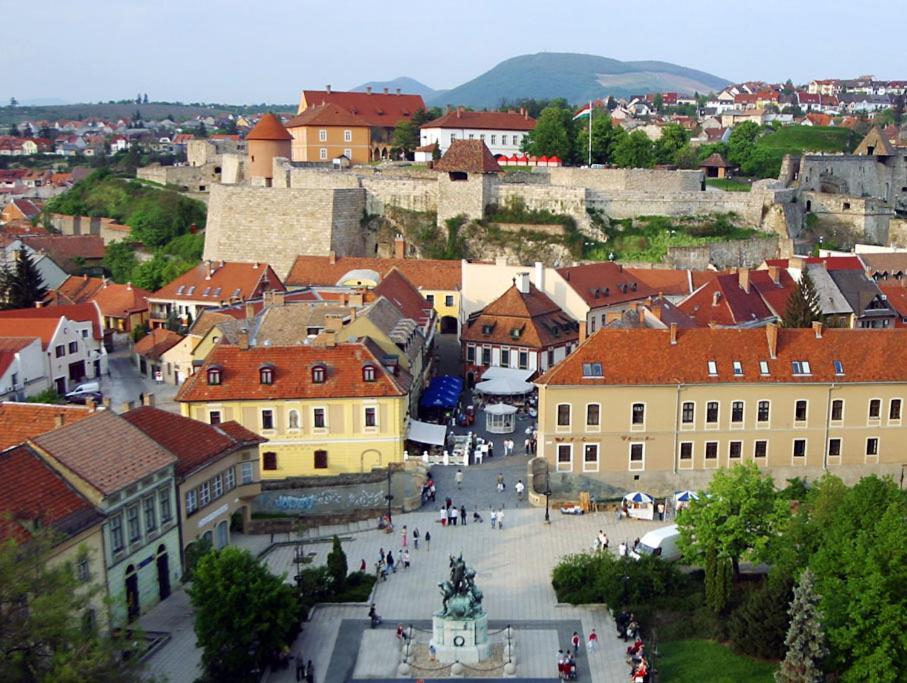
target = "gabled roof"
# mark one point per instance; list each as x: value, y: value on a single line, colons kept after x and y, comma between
x: 105, y: 451
x: 32, y: 492
x: 830, y: 262
x: 75, y: 289
x: 467, y: 156
x: 724, y: 302
x: 897, y: 297
x: 377, y: 109
x: 486, y: 120
x: 44, y: 329
x: 119, y: 301
x: 327, y: 115
x: 65, y: 249
x: 154, y: 344
x: 83, y: 313
x: 194, y: 443
x: 269, y: 127
x: 22, y: 421
x: 27, y: 207
x: 889, y: 264
x: 427, y: 274
x: 292, y: 376
x: 219, y: 282
x: 605, y: 284
x: 404, y: 294
x: 715, y: 161
x: 287, y: 325
x: 9, y: 347
x: 830, y: 299
x: 876, y: 139
x: 860, y: 291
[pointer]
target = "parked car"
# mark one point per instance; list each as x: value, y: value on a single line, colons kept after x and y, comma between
x: 660, y: 542
x: 83, y: 392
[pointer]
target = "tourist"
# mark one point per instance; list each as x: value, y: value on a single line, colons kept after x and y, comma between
x: 463, y: 515
x: 416, y: 538
x: 310, y: 672
x: 593, y: 641
x: 453, y: 514
x: 501, y: 518
x: 476, y: 517
x: 622, y: 549
x: 500, y: 482
x: 403, y: 535
x: 526, y: 445
x: 405, y: 554
x: 427, y: 541
x: 443, y: 516
x: 400, y: 633
x: 459, y: 479
x: 391, y: 565
x: 381, y: 554
x: 574, y: 641
x: 603, y: 540
x: 490, y: 449
x: 494, y: 518
x: 300, y: 667
x: 622, y: 620
x: 519, y: 487
x: 661, y: 512
x: 636, y: 544
x: 363, y: 566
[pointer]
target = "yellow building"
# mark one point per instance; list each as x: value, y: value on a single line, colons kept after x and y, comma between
x: 661, y: 410
x: 325, y: 409
x: 326, y: 132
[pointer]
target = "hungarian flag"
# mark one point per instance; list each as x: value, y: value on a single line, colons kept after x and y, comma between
x: 585, y: 111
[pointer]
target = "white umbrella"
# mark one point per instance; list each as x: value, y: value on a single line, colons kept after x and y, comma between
x: 639, y: 497
x: 504, y: 387
x: 685, y: 496
x: 500, y: 409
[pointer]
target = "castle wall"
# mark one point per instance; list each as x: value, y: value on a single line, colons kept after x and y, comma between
x: 897, y: 232
x: 867, y: 219
x: 463, y: 197
x: 627, y: 179
x: 729, y: 254
x: 413, y: 194
x: 570, y: 201
x: 848, y: 174
x: 749, y: 206
x: 233, y: 169
x: 107, y: 228
x: 197, y: 178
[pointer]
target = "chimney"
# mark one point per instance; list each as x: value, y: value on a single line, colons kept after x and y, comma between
x: 250, y: 310
x: 327, y: 88
x: 244, y: 339
x: 522, y: 283
x: 58, y: 420
x: 85, y: 278
x: 357, y: 299
x: 716, y: 297
x: 330, y: 338
x: 613, y: 316
x: 332, y: 257
x: 208, y: 270
x: 399, y: 246
x: 459, y: 111
x: 526, y: 114
x: 817, y: 328
x: 333, y: 322
x: 673, y: 334
x: 126, y: 406
x: 398, y: 91
x: 385, y: 91
x: 771, y: 333
x: 368, y: 90
x: 795, y: 262
x: 255, y: 266
x: 743, y: 277
x: 774, y: 274
x: 582, y: 332
x: 656, y: 310
x: 148, y: 400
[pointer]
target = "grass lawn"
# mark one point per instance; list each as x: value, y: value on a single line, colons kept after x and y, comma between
x: 694, y: 661
x: 798, y: 139
x: 729, y: 184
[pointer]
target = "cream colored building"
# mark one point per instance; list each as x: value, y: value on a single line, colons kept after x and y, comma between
x: 661, y: 410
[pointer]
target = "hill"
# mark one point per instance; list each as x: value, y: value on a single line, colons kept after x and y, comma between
x: 150, y: 112
x: 575, y: 77
x: 406, y: 84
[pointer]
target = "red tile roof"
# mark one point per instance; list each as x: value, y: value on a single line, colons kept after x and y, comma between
x: 31, y: 491
x: 105, y: 451
x: 65, y: 249
x: 605, y: 284
x: 429, y: 274
x: 292, y: 377
x: 724, y: 302
x: 663, y: 280
x: 119, y: 301
x: 195, y: 444
x: 467, y: 156
x: 84, y: 313
x: 830, y: 262
x: 897, y: 297
x: 395, y: 287
x: 269, y: 127
x: 377, y: 109
x: 22, y: 421
x: 154, y: 344
x: 26, y: 207
x: 42, y: 329
x: 222, y: 282
x: 647, y: 357
x: 9, y: 347
x: 75, y: 289
x: 327, y: 115
x: 488, y: 120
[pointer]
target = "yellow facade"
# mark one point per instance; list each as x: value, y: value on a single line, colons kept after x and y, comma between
x: 446, y: 303
x: 325, y: 143
x: 345, y: 443
x: 87, y: 546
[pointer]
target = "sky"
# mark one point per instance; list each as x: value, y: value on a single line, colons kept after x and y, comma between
x: 251, y: 51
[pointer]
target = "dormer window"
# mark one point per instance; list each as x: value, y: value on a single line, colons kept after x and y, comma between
x: 763, y: 367
x: 266, y: 374
x: 180, y: 289
x: 319, y: 372
x: 839, y: 367
x: 368, y: 373
x: 738, y: 368
x: 215, y: 375
x: 592, y: 370
x: 801, y: 367
x: 713, y: 367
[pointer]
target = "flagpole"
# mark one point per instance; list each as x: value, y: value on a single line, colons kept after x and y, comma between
x: 590, y: 133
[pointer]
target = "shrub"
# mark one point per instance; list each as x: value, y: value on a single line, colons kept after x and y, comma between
x: 337, y: 566
x: 758, y: 627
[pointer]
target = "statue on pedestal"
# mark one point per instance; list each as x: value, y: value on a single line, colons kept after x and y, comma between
x: 461, y: 597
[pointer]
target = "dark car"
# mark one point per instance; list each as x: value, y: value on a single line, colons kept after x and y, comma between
x: 83, y: 398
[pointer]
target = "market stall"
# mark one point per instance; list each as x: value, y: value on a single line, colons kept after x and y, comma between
x: 639, y: 505
x: 500, y: 418
x: 682, y: 499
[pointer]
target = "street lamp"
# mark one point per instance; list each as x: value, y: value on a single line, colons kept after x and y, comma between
x: 388, y: 497
x: 547, y: 493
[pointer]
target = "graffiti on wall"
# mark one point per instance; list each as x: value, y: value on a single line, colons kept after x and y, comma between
x: 296, y: 501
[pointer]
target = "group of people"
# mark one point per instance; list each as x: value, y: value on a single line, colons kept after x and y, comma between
x: 387, y: 563
x: 566, y: 660
x: 628, y: 629
x: 428, y: 490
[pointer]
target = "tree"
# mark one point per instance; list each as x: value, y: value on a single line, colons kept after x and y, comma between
x: 552, y: 135
x: 718, y: 581
x: 674, y: 138
x: 757, y: 628
x: 805, y: 640
x: 803, y: 305
x: 45, y: 634
x: 23, y: 286
x: 202, y: 132
x: 737, y: 517
x: 658, y: 103
x: 788, y: 88
x: 45, y: 132
x: 145, y: 98
x: 436, y: 152
x: 14, y: 131
x: 243, y: 614
x: 420, y: 116
x: 337, y: 567
x: 405, y: 138
x: 742, y: 142
x: 13, y: 103
x: 605, y: 136
x: 635, y: 150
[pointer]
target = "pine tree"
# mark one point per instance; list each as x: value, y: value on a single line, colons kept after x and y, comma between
x: 805, y: 640
x: 803, y: 305
x: 337, y: 565
x: 22, y: 286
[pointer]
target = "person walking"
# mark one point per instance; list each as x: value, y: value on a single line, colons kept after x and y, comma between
x: 381, y: 553
x: 500, y: 482
x: 661, y: 512
x: 622, y: 549
x: 501, y: 518
x: 427, y: 541
x: 494, y: 518
x: 519, y: 487
x: 463, y: 515
x: 574, y: 640
x: 416, y: 538
x: 404, y: 536
x: 363, y: 566
x: 391, y: 565
x: 405, y: 553
x: 459, y: 478
x: 453, y: 513
x: 300, y: 667
x: 593, y: 641
x: 443, y: 517
x: 310, y: 672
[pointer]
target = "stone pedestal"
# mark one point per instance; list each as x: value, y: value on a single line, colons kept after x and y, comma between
x: 463, y: 640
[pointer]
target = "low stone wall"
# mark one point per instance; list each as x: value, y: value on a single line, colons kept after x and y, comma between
x: 748, y: 206
x: 107, y: 228
x: 628, y: 179
x: 547, y: 228
x: 729, y: 254
x: 412, y: 194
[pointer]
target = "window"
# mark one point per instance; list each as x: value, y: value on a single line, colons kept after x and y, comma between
x: 524, y: 360
x: 470, y: 354
x: 368, y: 373
x: 319, y: 420
x: 494, y: 139
x: 799, y: 448
x: 322, y: 135
x: 348, y: 153
x: 839, y: 367
x: 229, y: 479
x: 872, y: 446
x: 116, y: 534
x: 133, y: 523
x: 760, y: 449
x: 564, y: 458
x: 800, y: 367
x: 593, y: 414
x: 738, y: 368
x: 486, y: 355
x: 266, y: 375
x: 686, y: 452
x: 150, y: 514
x: 347, y: 136
x: 592, y: 370
x: 321, y: 460
x: 735, y: 448
x: 448, y: 300
x: 711, y: 412
x: 737, y: 411
x: 894, y: 409
x: 293, y: 419
x: 688, y: 412
x: 834, y: 448
x: 217, y: 486
x: 711, y: 452
x: 83, y: 571
x: 204, y: 494
x: 638, y: 414
x: 164, y: 503
x: 875, y: 408
x: 73, y: 347
x: 550, y: 357
x: 837, y: 410
x: 214, y: 376
x: 267, y: 419
x: 763, y: 411
x: 318, y: 373
x: 590, y: 457
x: 323, y: 153
x: 214, y: 417
x: 371, y: 417
x: 637, y: 456
x: 763, y: 367
x: 59, y: 350
x: 430, y: 298
x: 246, y: 472
x: 563, y: 415
x: 503, y: 139
x: 269, y: 461
x: 800, y: 411
x: 505, y: 358
x: 191, y: 501
x: 713, y: 367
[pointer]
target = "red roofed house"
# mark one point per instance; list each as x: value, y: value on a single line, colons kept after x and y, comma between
x: 123, y: 307
x: 73, y: 253
x: 896, y: 294
x: 327, y: 131
x: 502, y: 132
x: 662, y: 410
x: 19, y: 209
x: 747, y: 298
x: 23, y: 368
x: 211, y: 284
x: 380, y: 111
x: 149, y: 351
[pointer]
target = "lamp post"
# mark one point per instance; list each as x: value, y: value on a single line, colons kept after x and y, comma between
x: 547, y: 493
x: 389, y: 497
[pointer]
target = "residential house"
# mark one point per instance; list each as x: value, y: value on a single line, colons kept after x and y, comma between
x: 22, y: 421
x: 601, y: 287
x: 19, y: 209
x: 325, y: 408
x: 885, y: 267
x: 830, y: 86
x: 148, y: 355
x: 747, y: 298
x: 211, y: 284
x: 896, y: 296
x: 23, y: 368
x: 75, y: 289
x: 51, y: 273
x: 75, y: 254
x: 502, y: 132
x: 123, y: 307
x: 661, y: 410
x: 870, y: 306
x: 326, y: 132
x: 130, y: 478
x: 217, y: 472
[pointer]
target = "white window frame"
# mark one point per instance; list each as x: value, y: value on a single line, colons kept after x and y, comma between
x: 760, y: 458
x: 766, y: 423
x: 645, y: 415
x: 712, y: 368
x: 874, y: 420
x: 834, y: 459
x: 712, y: 426
x: 796, y: 421
x: 323, y: 135
x: 558, y: 427
x: 593, y: 428
x: 895, y: 422
x: 738, y: 368
x: 831, y: 418
x: 220, y: 416
x: 686, y: 464
x: 872, y: 459
x: 711, y: 463
x: 229, y: 479
x: 327, y: 424
x: 641, y: 465
x: 323, y: 153
x: 347, y: 135
x: 247, y: 472
x: 501, y: 352
x: 561, y: 466
x: 217, y: 487
x: 764, y: 370
x: 739, y: 458
x: 191, y: 502
x: 365, y: 409
x: 261, y: 419
x: 687, y: 426
x: 805, y: 456
x: 204, y: 495
x: 742, y: 423
x: 592, y: 467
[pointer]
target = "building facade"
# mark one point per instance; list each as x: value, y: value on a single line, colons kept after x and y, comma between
x: 502, y: 132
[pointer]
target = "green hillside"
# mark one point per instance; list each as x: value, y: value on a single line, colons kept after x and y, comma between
x: 800, y: 139
x: 576, y: 78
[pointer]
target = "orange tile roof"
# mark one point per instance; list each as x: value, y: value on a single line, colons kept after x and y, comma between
x: 395, y: 287
x: 195, y: 444
x: 154, y: 344
x: 119, y: 301
x: 605, y: 284
x: 666, y: 281
x: 897, y: 297
x: 724, y: 302
x: 227, y: 281
x: 488, y: 120
x: 86, y: 312
x: 75, y: 289
x: 377, y: 109
x: 31, y: 491
x: 65, y: 249
x: 428, y: 274
x: 292, y: 374
x: 467, y: 156
x: 329, y: 114
x: 22, y: 421
x: 269, y: 127
x: 9, y: 347
x: 647, y: 357
x: 43, y: 329
x: 105, y: 451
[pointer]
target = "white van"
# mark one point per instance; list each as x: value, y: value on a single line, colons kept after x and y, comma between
x: 660, y: 543
x: 84, y: 389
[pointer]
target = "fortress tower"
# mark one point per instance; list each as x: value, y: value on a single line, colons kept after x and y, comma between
x: 268, y: 140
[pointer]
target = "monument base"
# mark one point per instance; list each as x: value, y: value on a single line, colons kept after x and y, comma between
x: 461, y: 639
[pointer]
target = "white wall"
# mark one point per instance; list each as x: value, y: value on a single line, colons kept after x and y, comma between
x: 494, y: 139
x: 29, y: 369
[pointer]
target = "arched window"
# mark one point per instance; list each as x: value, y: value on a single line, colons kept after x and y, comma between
x: 266, y: 374
x: 215, y: 375
x: 368, y: 373
x: 293, y: 419
x: 318, y: 374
